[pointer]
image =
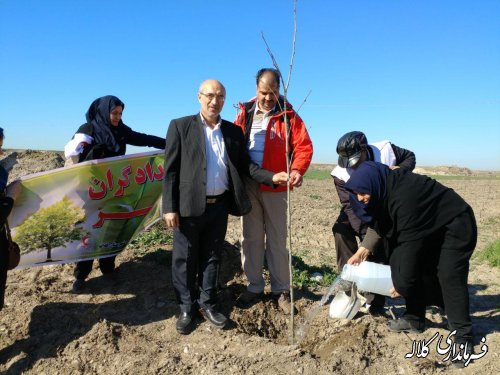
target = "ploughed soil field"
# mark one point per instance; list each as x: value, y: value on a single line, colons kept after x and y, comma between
x: 126, y: 324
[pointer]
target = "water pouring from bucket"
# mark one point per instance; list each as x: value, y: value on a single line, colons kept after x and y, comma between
x: 367, y: 277
x: 338, y: 287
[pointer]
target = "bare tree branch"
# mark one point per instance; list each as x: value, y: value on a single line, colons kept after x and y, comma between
x: 275, y: 63
x: 285, y: 88
x: 304, y: 101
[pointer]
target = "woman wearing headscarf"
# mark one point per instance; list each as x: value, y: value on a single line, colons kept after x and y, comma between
x: 430, y: 233
x: 103, y: 135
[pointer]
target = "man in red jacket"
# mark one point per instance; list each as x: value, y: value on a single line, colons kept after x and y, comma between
x: 265, y: 120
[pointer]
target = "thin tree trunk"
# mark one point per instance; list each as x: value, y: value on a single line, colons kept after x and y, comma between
x: 288, y: 161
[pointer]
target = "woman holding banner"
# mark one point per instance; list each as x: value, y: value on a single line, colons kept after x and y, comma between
x: 103, y: 135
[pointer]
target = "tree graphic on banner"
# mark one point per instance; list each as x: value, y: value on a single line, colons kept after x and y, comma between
x: 51, y: 227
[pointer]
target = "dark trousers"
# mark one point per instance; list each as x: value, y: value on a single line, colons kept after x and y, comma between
x: 434, y: 271
x: 4, y: 261
x: 346, y: 245
x: 196, y: 256
x: 83, y: 268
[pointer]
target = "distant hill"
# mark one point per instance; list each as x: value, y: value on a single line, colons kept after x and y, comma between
x: 434, y: 171
x: 444, y: 171
x: 24, y: 162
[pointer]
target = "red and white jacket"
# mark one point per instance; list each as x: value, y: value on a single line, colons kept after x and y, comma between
x: 300, y: 145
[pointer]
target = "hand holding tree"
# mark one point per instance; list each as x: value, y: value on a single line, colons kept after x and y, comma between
x: 280, y: 178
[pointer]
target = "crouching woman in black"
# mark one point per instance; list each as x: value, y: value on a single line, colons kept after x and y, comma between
x: 103, y: 135
x: 430, y: 233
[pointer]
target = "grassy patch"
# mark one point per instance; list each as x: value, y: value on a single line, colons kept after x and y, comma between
x: 315, y: 174
x: 491, y: 254
x: 156, y: 235
x: 303, y: 274
x: 319, y: 174
x: 149, y: 244
x: 315, y: 197
x: 337, y: 206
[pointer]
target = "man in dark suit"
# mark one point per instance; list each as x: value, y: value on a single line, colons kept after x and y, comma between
x: 205, y: 160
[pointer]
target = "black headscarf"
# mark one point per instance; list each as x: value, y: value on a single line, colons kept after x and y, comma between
x: 98, y: 115
x: 369, y: 178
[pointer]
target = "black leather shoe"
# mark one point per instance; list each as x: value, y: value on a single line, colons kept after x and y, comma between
x: 377, y: 310
x: 406, y: 325
x: 184, y: 323
x: 214, y: 317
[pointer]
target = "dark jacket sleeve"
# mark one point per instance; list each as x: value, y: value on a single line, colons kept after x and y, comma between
x: 371, y: 240
x: 405, y: 159
x: 262, y: 176
x: 356, y: 224
x: 170, y: 201
x: 140, y: 139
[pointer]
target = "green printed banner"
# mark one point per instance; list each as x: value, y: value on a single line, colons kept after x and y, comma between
x: 88, y: 210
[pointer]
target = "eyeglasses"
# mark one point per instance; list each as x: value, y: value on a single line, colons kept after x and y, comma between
x: 210, y: 96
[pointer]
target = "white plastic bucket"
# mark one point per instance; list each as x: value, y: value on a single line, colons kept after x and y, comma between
x: 369, y: 277
x: 344, y: 306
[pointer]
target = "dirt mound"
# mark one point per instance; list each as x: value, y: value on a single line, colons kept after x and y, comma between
x: 444, y: 171
x: 22, y: 163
